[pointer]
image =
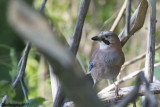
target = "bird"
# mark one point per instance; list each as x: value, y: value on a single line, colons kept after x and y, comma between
x: 106, y: 61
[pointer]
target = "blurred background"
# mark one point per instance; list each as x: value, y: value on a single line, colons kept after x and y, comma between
x: 61, y: 15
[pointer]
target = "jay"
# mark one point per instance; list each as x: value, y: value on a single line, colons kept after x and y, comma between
x: 107, y: 60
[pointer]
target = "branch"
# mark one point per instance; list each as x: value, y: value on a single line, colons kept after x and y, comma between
x: 24, y: 88
x: 59, y: 100
x: 43, y: 3
x: 148, y: 94
x: 150, y: 51
x: 24, y: 58
x: 137, y: 58
x: 79, y: 26
x: 32, y: 26
x: 23, y: 66
x: 127, y: 18
x: 108, y: 96
x: 57, y: 94
x: 136, y: 22
x: 3, y: 100
x: 119, y: 16
x: 131, y: 97
x: 22, y: 70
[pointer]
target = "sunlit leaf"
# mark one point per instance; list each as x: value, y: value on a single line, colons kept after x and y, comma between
x: 35, y: 102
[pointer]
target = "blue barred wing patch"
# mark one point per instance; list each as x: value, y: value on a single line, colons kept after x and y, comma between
x: 90, y: 65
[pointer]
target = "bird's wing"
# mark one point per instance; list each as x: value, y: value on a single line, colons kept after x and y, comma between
x: 91, y: 63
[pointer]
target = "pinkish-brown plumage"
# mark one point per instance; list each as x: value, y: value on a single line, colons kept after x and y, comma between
x: 106, y: 61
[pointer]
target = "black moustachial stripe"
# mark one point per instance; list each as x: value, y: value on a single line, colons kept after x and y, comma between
x: 106, y: 41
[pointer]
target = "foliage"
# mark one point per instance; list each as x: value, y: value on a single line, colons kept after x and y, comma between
x: 61, y: 15
x: 31, y: 77
x: 36, y: 102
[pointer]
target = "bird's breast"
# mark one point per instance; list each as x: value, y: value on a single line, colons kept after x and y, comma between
x: 107, y: 65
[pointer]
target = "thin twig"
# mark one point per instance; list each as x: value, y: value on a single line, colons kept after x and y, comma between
x: 24, y: 88
x: 127, y: 19
x: 22, y: 70
x: 21, y: 79
x: 119, y: 16
x: 19, y: 63
x: 79, y: 26
x: 137, y: 58
x: 127, y: 24
x: 3, y: 100
x: 24, y: 60
x: 43, y: 3
x: 23, y: 65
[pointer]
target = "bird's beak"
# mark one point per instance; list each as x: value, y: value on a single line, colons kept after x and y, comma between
x: 96, y: 38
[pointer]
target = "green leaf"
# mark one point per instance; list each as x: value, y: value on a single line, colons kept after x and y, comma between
x: 3, y: 82
x: 157, y: 32
x: 35, y: 102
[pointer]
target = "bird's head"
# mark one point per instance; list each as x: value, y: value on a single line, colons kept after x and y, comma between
x: 106, y: 38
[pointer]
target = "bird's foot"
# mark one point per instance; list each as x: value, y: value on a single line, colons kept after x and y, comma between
x: 117, y: 91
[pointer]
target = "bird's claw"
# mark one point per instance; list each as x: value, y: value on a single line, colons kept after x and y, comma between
x: 117, y: 91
